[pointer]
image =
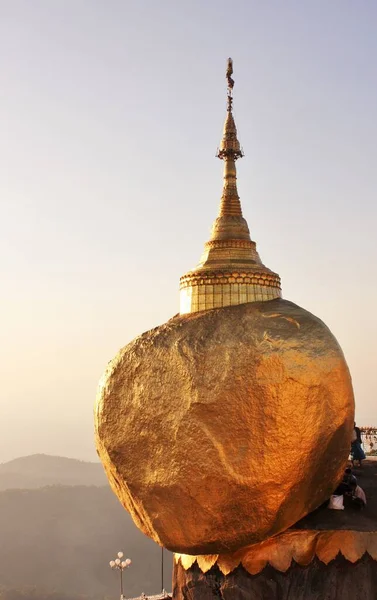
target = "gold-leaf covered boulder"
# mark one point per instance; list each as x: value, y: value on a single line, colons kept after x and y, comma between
x: 221, y: 428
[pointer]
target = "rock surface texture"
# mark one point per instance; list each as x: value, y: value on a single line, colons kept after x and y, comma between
x: 221, y: 428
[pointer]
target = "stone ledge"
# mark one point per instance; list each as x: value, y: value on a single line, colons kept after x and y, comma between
x: 279, y: 552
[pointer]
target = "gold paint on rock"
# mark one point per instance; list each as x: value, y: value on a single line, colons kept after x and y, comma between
x: 300, y: 546
x: 225, y: 427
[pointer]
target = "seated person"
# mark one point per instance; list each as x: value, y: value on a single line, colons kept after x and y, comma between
x: 343, y: 488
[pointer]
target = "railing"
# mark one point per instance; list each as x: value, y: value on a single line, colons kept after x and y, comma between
x: 369, y: 439
x: 160, y: 596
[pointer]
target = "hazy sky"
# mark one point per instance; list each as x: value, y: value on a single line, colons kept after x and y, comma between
x: 110, y: 115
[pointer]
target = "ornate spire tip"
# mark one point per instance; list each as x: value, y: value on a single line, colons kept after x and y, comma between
x: 229, y: 73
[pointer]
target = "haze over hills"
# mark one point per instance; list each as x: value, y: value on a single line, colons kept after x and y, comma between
x: 39, y: 470
x: 65, y: 534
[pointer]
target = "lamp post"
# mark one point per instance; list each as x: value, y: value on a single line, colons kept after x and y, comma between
x: 120, y: 565
x: 163, y: 593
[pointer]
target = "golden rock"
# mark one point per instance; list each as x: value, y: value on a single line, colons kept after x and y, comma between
x: 232, y: 421
x: 224, y: 427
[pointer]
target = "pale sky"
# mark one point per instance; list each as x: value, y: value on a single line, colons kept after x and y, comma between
x: 110, y: 113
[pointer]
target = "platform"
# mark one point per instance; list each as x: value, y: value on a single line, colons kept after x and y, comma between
x: 329, y: 554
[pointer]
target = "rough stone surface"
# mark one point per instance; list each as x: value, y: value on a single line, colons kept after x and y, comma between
x: 224, y: 427
x: 340, y: 580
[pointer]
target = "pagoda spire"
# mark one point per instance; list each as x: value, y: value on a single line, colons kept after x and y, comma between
x: 229, y: 151
x: 230, y: 270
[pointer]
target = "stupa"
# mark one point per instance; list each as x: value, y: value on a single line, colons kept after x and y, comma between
x: 225, y: 426
x: 230, y: 270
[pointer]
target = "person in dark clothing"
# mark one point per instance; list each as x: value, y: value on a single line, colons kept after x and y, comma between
x: 349, y: 477
x: 343, y: 488
x: 357, y: 452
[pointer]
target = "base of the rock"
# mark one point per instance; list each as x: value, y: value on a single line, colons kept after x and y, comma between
x: 328, y: 555
x: 339, y: 580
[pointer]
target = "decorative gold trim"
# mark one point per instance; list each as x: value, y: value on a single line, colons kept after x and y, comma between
x: 300, y: 546
x: 230, y: 244
x: 215, y: 277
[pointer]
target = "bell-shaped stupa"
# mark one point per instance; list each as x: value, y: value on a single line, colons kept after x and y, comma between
x: 230, y: 270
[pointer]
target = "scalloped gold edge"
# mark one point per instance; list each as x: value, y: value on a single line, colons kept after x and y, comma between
x: 300, y: 545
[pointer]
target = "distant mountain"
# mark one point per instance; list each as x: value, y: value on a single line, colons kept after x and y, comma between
x: 60, y: 539
x: 40, y: 470
x: 59, y: 517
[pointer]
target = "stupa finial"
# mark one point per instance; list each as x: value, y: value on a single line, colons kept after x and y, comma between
x: 229, y: 151
x: 229, y: 73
